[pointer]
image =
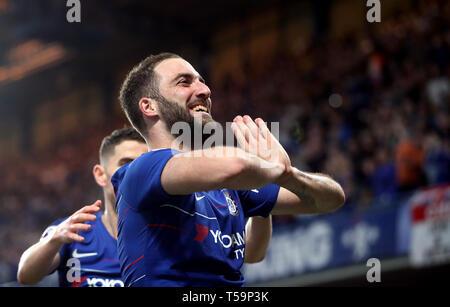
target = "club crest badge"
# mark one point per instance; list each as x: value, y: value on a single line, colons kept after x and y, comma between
x: 231, y: 204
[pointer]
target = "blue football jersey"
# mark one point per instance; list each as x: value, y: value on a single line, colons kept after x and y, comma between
x: 188, y: 240
x: 92, y: 263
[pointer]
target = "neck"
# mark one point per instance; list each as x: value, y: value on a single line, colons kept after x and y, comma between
x: 159, y: 138
x: 109, y: 218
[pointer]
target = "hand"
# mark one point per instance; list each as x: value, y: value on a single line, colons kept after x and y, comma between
x: 67, y: 231
x: 255, y: 138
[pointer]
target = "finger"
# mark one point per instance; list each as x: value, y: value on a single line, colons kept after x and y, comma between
x: 79, y: 227
x: 264, y: 131
x: 251, y: 126
x: 75, y: 237
x: 82, y: 217
x: 97, y: 203
x: 239, y: 136
x: 242, y: 127
x: 246, y: 125
x: 95, y: 207
x: 250, y: 141
x: 237, y: 118
x: 272, y: 141
x: 262, y: 126
x: 260, y: 134
x: 256, y: 139
x: 266, y: 138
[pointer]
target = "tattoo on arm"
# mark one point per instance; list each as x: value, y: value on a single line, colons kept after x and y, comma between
x: 314, y: 177
x: 306, y: 198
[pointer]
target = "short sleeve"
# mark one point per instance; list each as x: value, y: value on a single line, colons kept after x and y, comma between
x: 139, y: 182
x: 259, y: 202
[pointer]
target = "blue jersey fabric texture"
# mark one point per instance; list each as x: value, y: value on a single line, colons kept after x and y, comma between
x: 185, y: 240
x: 92, y: 263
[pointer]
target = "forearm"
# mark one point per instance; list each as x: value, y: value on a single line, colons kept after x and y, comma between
x: 258, y: 232
x: 43, y: 257
x: 38, y: 261
x: 317, y: 191
x: 216, y: 168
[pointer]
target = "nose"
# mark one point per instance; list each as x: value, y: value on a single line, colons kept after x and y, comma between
x: 202, y: 91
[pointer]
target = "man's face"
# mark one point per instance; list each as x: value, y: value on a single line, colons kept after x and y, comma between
x: 184, y: 94
x: 124, y: 152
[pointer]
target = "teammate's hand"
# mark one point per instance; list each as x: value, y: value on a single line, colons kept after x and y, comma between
x: 255, y: 138
x: 67, y: 231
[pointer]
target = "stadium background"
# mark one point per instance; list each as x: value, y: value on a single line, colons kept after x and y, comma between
x: 364, y: 102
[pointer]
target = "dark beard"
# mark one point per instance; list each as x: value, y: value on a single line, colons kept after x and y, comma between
x: 172, y: 113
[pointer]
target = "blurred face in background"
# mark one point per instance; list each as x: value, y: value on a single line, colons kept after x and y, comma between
x: 124, y: 152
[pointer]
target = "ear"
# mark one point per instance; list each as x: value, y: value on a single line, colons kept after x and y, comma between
x: 148, y: 107
x: 100, y: 175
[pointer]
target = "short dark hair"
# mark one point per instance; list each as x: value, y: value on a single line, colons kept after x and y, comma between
x: 110, y: 142
x: 141, y: 82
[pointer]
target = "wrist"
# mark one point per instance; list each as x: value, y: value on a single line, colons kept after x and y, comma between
x: 53, y: 241
x: 287, y: 176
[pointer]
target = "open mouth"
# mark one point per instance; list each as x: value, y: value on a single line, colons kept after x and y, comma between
x: 198, y: 107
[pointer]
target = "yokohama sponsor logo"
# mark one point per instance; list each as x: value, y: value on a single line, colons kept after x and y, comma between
x: 100, y: 282
x: 228, y: 241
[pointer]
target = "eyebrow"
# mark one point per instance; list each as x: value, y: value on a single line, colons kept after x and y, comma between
x: 188, y: 76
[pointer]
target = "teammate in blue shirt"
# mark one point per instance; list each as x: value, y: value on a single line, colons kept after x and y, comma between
x: 181, y: 212
x: 83, y: 247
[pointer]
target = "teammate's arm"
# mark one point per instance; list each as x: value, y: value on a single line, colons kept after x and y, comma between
x: 216, y: 168
x: 43, y: 257
x: 258, y: 232
x: 300, y: 192
x: 38, y: 261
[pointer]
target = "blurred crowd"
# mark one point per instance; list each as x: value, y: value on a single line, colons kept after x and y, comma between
x: 371, y: 110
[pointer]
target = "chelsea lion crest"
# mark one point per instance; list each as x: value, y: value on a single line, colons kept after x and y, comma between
x: 231, y: 204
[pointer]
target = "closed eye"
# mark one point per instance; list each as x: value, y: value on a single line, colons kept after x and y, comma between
x: 124, y: 161
x: 187, y: 78
x: 183, y: 81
